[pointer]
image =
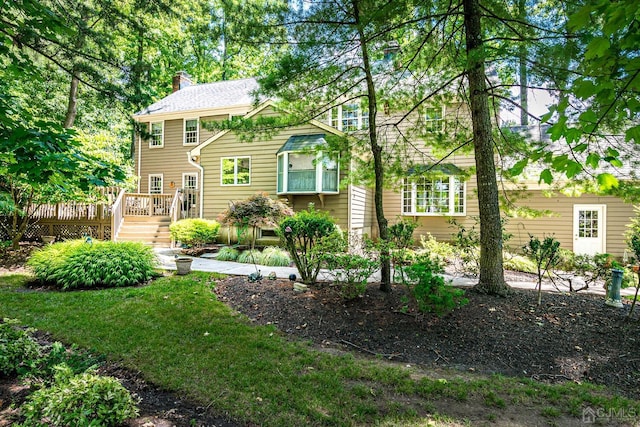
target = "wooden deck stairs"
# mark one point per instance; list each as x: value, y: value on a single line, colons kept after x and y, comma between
x: 151, y: 230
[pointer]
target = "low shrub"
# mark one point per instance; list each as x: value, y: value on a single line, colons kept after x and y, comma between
x: 401, y: 233
x: 442, y: 249
x: 19, y: 352
x: 79, y: 400
x: 566, y: 260
x: 428, y: 288
x: 303, y: 236
x: 251, y: 256
x: 228, y: 254
x: 350, y: 272
x: 57, y: 354
x: 195, y: 231
x: 77, y: 264
x: 518, y: 263
x: 274, y: 256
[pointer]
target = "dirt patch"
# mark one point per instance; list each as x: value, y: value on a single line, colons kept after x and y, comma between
x: 570, y: 337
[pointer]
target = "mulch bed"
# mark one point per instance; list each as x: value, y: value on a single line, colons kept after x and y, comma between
x: 570, y: 337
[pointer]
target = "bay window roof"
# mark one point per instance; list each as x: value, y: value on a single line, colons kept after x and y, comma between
x: 302, y: 143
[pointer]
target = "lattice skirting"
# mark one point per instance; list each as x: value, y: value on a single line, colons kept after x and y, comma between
x: 62, y: 230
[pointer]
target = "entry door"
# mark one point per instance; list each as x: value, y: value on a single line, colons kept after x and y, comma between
x: 589, y: 229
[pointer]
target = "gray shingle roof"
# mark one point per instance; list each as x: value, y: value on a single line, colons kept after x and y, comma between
x: 229, y: 93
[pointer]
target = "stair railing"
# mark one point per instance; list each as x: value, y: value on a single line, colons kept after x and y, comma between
x: 117, y: 215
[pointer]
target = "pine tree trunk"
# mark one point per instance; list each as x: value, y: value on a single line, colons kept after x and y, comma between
x: 72, y: 103
x: 522, y: 57
x: 376, y: 150
x: 491, y: 280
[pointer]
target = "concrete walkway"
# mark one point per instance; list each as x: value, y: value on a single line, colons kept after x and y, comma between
x: 166, y: 257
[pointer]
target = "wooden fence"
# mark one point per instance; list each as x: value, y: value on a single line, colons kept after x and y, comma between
x: 73, y: 219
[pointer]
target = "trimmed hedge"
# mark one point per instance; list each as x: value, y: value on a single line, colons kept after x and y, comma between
x: 195, y: 231
x: 78, y: 264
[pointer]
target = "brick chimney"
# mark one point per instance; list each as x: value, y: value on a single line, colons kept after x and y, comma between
x: 181, y: 80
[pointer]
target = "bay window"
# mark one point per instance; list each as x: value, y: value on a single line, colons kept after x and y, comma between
x: 433, y: 196
x: 300, y: 171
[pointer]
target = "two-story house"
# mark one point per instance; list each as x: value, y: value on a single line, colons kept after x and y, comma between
x: 198, y: 172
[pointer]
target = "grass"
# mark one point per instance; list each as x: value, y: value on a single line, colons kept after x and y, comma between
x: 181, y: 338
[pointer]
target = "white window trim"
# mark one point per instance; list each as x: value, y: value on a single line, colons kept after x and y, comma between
x: 186, y: 174
x: 235, y: 171
x: 360, y: 114
x: 451, y: 212
x: 184, y: 131
x: 431, y: 124
x: 161, y: 135
x: 155, y: 175
x: 318, y: 189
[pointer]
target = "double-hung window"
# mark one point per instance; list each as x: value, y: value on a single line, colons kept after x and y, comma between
x: 434, y: 121
x: 236, y: 170
x: 156, y: 137
x: 349, y: 117
x: 190, y: 181
x: 155, y: 183
x: 191, y: 131
x: 433, y: 196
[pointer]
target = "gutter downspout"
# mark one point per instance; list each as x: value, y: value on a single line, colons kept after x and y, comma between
x: 201, y: 181
x: 139, y: 159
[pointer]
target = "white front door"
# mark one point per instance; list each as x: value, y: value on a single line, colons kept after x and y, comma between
x: 589, y: 229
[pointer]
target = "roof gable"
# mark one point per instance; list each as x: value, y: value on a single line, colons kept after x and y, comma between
x: 222, y: 94
x: 260, y: 109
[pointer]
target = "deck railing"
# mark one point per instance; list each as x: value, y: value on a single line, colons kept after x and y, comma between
x: 137, y: 204
x: 190, y: 203
x: 117, y: 217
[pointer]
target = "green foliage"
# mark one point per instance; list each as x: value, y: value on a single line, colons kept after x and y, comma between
x: 518, y: 263
x: 428, y: 288
x: 195, y: 231
x: 228, y: 253
x: 57, y: 354
x: 259, y: 210
x: 466, y: 240
x: 432, y: 246
x: 303, y: 236
x: 274, y: 256
x: 566, y: 260
x: 251, y: 256
x: 78, y: 264
x: 84, y: 399
x: 632, y: 236
x: 401, y: 233
x: 19, y: 352
x: 350, y: 272
x: 545, y: 255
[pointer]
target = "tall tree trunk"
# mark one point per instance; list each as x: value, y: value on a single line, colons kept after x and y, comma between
x: 522, y: 57
x: 491, y: 278
x: 376, y: 150
x: 72, y: 103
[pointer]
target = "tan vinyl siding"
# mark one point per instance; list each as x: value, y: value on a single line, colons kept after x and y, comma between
x: 263, y: 174
x: 560, y: 224
x: 204, y: 132
x: 170, y: 160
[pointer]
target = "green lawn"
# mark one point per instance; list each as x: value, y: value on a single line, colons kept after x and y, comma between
x: 180, y: 337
